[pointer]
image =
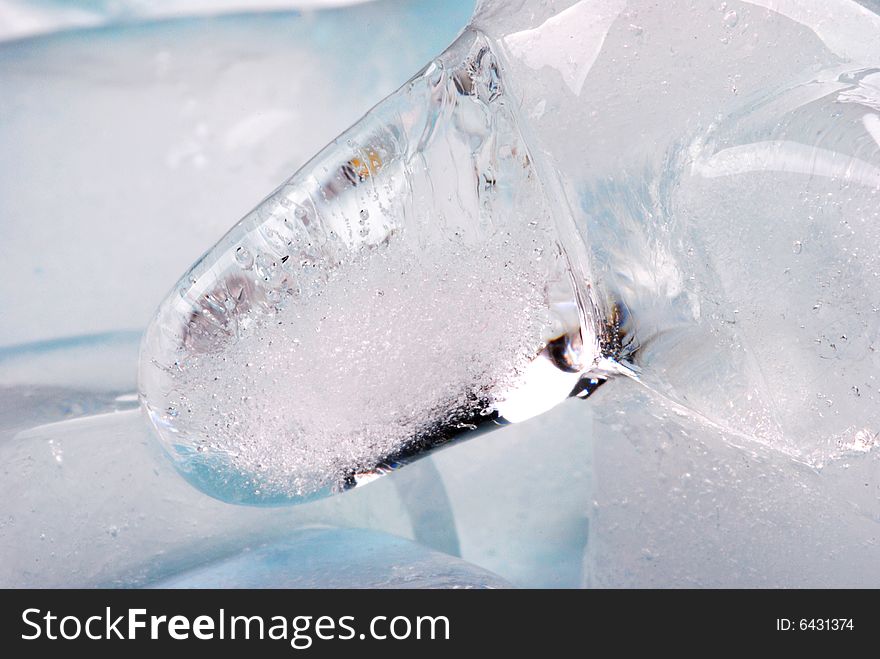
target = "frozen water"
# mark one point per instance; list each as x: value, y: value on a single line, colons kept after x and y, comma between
x: 677, y: 504
x: 407, y: 286
x: 337, y: 558
x: 728, y: 215
x: 725, y: 184
x: 706, y: 477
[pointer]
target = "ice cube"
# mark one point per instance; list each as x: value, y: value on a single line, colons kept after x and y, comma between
x: 336, y: 558
x: 407, y: 287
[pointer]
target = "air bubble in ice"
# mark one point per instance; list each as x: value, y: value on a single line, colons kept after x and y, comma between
x: 243, y: 257
x: 731, y: 18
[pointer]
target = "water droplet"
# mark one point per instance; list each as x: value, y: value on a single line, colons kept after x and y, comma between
x: 731, y: 18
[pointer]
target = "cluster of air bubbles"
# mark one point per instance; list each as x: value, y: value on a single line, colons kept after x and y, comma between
x: 341, y: 380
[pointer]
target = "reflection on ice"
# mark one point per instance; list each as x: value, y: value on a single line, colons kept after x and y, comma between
x: 793, y: 157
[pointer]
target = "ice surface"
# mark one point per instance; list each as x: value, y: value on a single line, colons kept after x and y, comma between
x: 677, y: 504
x: 720, y: 473
x: 337, y: 558
x: 340, y: 380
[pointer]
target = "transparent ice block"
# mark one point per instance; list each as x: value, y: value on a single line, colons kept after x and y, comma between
x: 406, y: 288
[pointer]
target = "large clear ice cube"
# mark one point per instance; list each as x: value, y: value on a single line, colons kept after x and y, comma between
x: 405, y: 288
x: 724, y: 180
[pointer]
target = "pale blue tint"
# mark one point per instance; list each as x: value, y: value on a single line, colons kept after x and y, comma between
x: 336, y: 558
